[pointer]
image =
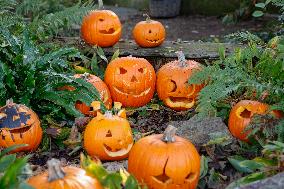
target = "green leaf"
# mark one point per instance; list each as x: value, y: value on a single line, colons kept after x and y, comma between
x: 24, y: 185
x: 11, y: 148
x: 6, y: 161
x: 260, y: 5
x: 247, y: 179
x: 257, y: 13
x: 131, y: 183
x: 115, y: 55
x: 112, y: 181
x: 101, y: 53
x: 203, y: 166
x: 236, y: 163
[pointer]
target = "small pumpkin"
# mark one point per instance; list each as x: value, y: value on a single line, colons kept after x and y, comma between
x: 149, y: 33
x: 61, y: 178
x: 101, y: 27
x: 165, y: 161
x: 108, y: 136
x: 131, y: 81
x: 99, y: 85
x: 172, y: 83
x: 19, y: 125
x: 241, y: 115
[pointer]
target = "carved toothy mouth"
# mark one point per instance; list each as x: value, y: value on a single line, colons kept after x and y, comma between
x: 117, y: 152
x: 153, y: 40
x: 182, y: 102
x: 109, y: 31
x: 132, y: 93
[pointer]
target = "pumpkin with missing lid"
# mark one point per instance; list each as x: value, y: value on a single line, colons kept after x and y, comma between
x: 68, y: 177
x: 172, y: 83
x: 108, y: 136
x: 149, y: 33
x: 101, y: 27
x: 165, y: 161
x: 131, y: 81
x: 241, y: 115
x: 19, y: 125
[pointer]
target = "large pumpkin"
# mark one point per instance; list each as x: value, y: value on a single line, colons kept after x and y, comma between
x: 149, y: 33
x: 172, y: 83
x: 101, y: 27
x: 19, y: 125
x: 102, y: 89
x: 165, y: 161
x: 108, y: 136
x: 241, y: 115
x: 63, y: 178
x: 131, y: 81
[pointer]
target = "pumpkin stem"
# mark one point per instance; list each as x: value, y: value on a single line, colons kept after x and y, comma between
x: 181, y: 59
x: 108, y: 114
x: 55, y: 171
x: 85, y: 76
x: 148, y: 19
x: 9, y: 102
x: 101, y: 4
x: 169, y: 134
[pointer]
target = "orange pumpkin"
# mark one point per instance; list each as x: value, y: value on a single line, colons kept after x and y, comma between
x: 241, y: 115
x: 101, y: 27
x: 19, y: 125
x: 165, y: 161
x: 63, y: 178
x: 131, y: 81
x: 149, y: 33
x: 102, y: 89
x: 172, y: 83
x: 108, y: 136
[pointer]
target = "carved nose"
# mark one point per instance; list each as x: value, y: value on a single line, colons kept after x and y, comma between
x: 133, y: 79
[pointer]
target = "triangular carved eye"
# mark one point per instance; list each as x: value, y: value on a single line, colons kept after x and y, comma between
x: 190, y: 177
x: 122, y: 70
x: 246, y: 113
x: 108, y: 134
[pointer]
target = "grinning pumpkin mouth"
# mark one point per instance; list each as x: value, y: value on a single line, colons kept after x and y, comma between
x: 153, y: 40
x: 109, y: 31
x: 119, y: 90
x: 179, y: 102
x: 117, y: 152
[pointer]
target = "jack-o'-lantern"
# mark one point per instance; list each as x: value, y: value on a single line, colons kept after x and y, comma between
x: 149, y: 33
x: 101, y: 88
x: 101, y: 27
x: 19, y: 125
x: 165, y: 161
x: 172, y: 83
x: 108, y: 136
x: 69, y: 177
x: 241, y: 115
x: 131, y: 81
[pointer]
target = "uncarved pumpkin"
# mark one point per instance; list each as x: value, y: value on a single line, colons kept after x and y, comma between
x: 108, y: 136
x: 165, y: 161
x: 101, y: 27
x: 241, y: 115
x: 19, y: 125
x: 131, y: 81
x: 172, y: 83
x: 149, y: 33
x: 63, y: 178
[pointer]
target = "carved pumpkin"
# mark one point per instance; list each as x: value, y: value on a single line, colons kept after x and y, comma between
x: 131, y: 81
x: 19, y: 125
x: 102, y: 89
x: 241, y: 115
x: 168, y: 161
x: 99, y: 85
x: 172, y: 83
x: 101, y: 27
x: 149, y: 33
x: 61, y: 178
x: 108, y: 136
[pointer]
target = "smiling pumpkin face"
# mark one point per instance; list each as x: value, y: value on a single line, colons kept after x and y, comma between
x: 108, y: 136
x: 173, y: 87
x: 149, y: 33
x: 131, y: 81
x: 102, y: 28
